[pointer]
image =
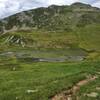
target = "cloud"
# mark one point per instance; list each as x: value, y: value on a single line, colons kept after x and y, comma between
x: 96, y: 4
x: 9, y: 7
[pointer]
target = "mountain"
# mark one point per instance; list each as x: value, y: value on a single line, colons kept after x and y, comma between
x: 51, y: 54
x: 55, y: 27
x: 53, y: 18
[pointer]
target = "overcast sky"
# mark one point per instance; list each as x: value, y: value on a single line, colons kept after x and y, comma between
x: 8, y: 7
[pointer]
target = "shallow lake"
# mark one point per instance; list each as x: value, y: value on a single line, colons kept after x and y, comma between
x: 46, y: 55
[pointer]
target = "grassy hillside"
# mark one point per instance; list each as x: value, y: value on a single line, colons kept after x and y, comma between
x: 87, y: 38
x: 41, y: 81
x: 51, y: 54
x: 43, y: 44
x: 55, y: 27
x: 29, y: 80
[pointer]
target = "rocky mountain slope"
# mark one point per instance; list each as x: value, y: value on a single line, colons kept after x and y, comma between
x: 55, y: 27
x: 53, y: 18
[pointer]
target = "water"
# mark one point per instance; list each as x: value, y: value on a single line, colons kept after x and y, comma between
x: 46, y: 55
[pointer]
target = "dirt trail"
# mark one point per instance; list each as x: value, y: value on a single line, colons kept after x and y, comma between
x: 69, y: 94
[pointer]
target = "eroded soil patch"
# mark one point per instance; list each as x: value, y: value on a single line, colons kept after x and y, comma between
x: 69, y: 94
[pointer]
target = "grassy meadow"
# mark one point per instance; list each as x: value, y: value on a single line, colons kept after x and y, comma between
x: 29, y: 80
x: 42, y: 80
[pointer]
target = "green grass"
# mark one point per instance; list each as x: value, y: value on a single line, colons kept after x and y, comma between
x: 46, y: 79
x: 88, y: 89
x: 38, y: 40
x: 87, y: 38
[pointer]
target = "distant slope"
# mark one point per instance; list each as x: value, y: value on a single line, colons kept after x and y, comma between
x: 87, y: 38
x: 53, y: 18
x: 55, y: 27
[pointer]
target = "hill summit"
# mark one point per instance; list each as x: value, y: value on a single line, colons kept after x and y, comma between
x: 52, y: 18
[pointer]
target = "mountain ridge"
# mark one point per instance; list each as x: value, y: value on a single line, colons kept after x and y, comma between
x: 52, y: 18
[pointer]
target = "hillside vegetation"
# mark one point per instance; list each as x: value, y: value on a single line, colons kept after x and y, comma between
x: 51, y: 54
x: 53, y: 18
x: 55, y: 27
